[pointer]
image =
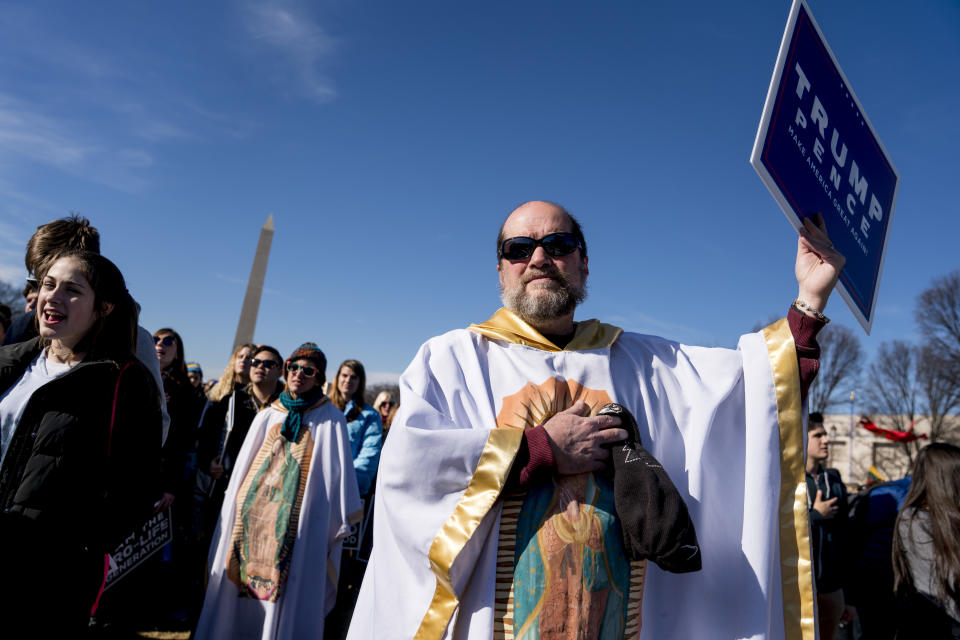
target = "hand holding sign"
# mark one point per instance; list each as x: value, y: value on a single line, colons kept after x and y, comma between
x: 818, y: 263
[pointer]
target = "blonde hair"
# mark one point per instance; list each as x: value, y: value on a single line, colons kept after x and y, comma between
x: 227, y: 381
x: 382, y: 397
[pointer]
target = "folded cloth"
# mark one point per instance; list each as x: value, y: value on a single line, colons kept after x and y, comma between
x: 653, y: 516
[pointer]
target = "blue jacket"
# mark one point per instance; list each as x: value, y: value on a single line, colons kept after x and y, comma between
x: 366, y: 438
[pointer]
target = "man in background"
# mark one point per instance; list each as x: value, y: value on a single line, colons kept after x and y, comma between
x: 827, y: 505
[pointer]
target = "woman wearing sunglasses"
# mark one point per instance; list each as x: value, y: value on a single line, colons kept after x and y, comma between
x: 184, y: 404
x: 81, y: 429
x: 290, y: 502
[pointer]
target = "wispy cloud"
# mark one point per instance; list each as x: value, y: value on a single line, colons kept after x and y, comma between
x: 27, y: 133
x: 93, y: 111
x: 306, y: 47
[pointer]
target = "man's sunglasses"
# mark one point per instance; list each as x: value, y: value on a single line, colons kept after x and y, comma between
x: 308, y: 371
x: 167, y: 341
x: 556, y: 245
x: 266, y: 364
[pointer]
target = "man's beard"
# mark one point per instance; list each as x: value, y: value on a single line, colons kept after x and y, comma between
x: 548, y: 304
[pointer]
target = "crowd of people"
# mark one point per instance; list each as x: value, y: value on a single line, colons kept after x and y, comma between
x: 537, y: 465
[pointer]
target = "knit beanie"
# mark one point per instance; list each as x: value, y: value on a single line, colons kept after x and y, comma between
x: 309, y: 351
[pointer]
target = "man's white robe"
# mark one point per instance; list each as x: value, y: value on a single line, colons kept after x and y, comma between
x: 323, y: 507
x: 725, y: 424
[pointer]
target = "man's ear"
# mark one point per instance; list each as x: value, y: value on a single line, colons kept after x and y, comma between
x: 499, y: 273
x: 106, y: 309
x: 586, y: 269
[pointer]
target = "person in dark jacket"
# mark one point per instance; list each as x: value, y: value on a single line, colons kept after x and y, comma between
x: 178, y: 474
x: 223, y: 429
x: 81, y: 430
x: 827, y: 505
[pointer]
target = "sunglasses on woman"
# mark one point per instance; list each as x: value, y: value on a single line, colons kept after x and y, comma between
x: 307, y: 370
x: 556, y: 245
x: 167, y: 341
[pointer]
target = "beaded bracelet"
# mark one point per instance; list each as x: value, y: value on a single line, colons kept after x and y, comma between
x: 802, y: 306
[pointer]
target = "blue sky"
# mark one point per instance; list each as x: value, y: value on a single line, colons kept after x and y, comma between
x: 390, y: 139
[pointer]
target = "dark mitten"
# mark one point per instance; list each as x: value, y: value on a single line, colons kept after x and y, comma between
x: 654, y: 518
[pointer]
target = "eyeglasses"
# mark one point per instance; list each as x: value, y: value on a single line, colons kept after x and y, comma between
x: 386, y: 404
x: 167, y: 341
x: 556, y: 245
x: 266, y: 364
x: 307, y: 370
x: 32, y: 282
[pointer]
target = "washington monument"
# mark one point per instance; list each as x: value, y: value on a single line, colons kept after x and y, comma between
x: 251, y: 301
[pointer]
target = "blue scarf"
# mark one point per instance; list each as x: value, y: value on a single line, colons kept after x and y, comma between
x: 293, y: 423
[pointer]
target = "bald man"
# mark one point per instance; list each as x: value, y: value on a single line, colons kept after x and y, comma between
x: 496, y: 515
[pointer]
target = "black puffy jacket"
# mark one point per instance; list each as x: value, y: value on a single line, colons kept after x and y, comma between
x: 57, y: 471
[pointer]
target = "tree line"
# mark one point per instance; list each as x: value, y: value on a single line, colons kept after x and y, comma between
x: 907, y: 381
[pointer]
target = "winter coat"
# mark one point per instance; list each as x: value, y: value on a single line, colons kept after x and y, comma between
x: 63, y: 470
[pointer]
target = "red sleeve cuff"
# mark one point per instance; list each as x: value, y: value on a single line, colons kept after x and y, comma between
x: 535, y: 457
x: 805, y: 330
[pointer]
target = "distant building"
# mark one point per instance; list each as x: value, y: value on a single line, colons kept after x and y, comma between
x: 869, y: 449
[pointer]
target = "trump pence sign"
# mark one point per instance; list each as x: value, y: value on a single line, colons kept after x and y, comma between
x: 818, y: 153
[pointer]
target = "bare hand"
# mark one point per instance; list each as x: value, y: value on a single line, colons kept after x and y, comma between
x: 577, y: 441
x: 164, y: 503
x: 216, y: 469
x: 826, y: 508
x: 818, y: 263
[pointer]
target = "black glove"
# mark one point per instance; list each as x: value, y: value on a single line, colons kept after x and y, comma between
x: 653, y: 516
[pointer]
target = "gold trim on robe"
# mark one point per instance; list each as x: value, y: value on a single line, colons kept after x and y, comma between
x: 795, y: 566
x: 488, y: 481
x: 509, y: 327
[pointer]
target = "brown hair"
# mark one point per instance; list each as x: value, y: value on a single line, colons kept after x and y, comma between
x: 71, y: 233
x: 934, y: 488
x: 337, y: 398
x: 178, y: 368
x: 113, y: 335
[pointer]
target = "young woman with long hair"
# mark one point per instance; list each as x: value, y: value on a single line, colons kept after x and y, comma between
x: 81, y: 430
x: 236, y: 375
x: 363, y: 421
x: 926, y: 547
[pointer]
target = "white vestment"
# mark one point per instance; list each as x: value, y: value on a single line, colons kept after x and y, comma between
x: 276, y: 554
x: 725, y: 424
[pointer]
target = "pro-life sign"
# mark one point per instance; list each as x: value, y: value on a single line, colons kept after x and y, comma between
x: 818, y: 153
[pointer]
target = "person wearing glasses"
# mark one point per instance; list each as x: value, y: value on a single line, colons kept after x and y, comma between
x: 290, y: 503
x: 383, y: 403
x: 386, y: 405
x: 223, y: 429
x: 496, y: 510
x: 80, y: 430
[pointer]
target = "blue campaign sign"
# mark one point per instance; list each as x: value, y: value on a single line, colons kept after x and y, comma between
x: 818, y: 153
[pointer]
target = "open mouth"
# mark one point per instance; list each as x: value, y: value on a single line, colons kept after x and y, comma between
x: 51, y: 317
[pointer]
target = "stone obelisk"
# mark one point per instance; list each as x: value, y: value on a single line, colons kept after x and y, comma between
x: 251, y: 301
